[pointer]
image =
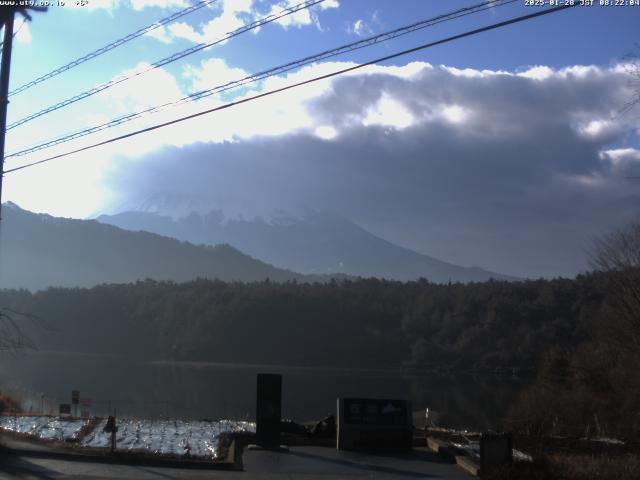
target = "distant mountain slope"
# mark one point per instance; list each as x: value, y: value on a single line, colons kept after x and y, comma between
x: 38, y: 251
x: 313, y: 243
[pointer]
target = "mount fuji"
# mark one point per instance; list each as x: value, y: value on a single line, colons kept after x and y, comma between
x: 305, y: 241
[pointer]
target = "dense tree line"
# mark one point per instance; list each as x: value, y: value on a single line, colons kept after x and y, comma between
x: 369, y: 322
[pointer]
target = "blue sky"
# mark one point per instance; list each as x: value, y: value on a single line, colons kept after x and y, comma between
x: 527, y: 152
x: 585, y: 35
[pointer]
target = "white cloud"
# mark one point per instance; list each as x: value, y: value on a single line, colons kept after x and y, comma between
x: 220, y: 26
x: 389, y: 113
x: 359, y: 28
x: 298, y: 19
x: 327, y: 4
x: 303, y: 17
x: 161, y: 33
x: 446, y: 105
x: 296, y: 111
x: 623, y: 162
x: 600, y: 129
x: 212, y: 72
x: 186, y: 31
x: 234, y: 14
x: 620, y: 154
x: 325, y: 132
x: 582, y: 71
x: 227, y: 21
x: 238, y: 6
x: 455, y: 114
x: 136, y: 93
x: 543, y: 72
x: 472, y: 72
x: 594, y: 127
x: 540, y: 72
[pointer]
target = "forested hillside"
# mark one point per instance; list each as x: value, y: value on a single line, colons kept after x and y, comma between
x: 39, y: 251
x: 364, y: 323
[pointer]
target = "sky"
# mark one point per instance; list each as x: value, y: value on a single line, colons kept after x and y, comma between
x: 508, y: 150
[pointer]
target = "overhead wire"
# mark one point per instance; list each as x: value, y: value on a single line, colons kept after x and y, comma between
x: 165, y: 61
x: 112, y: 45
x: 24, y: 20
x: 476, y: 31
x: 367, y: 42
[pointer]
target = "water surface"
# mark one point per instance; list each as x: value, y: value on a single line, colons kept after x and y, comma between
x: 201, y: 390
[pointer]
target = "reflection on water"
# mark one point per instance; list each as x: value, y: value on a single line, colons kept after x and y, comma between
x: 191, y: 390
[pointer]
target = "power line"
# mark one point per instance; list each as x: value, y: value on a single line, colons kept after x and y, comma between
x: 166, y: 61
x: 24, y: 20
x: 112, y: 45
x: 269, y: 73
x: 298, y: 84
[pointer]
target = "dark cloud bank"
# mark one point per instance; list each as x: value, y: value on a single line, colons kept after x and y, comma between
x: 515, y: 186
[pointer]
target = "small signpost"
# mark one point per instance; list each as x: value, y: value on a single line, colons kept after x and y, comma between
x: 85, y: 410
x: 111, y: 427
x: 64, y: 410
x: 372, y: 424
x: 75, y: 399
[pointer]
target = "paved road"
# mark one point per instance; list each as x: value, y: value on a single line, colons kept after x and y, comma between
x: 328, y: 463
x: 42, y: 468
x: 308, y: 463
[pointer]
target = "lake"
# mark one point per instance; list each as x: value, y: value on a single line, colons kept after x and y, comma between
x: 192, y: 390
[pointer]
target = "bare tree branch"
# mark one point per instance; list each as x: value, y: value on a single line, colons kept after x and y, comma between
x: 12, y: 335
x: 632, y: 67
x: 617, y: 256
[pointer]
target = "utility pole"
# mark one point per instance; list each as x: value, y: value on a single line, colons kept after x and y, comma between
x: 4, y: 90
x: 7, y: 16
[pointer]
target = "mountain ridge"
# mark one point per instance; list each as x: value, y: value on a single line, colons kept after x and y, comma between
x: 39, y: 251
x: 316, y: 243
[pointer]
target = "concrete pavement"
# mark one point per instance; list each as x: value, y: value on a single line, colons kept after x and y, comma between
x: 329, y: 463
x: 308, y: 463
